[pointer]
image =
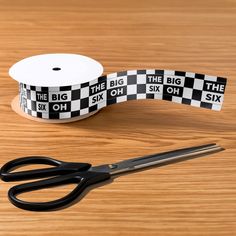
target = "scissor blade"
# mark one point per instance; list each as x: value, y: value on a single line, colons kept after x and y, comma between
x: 155, y: 159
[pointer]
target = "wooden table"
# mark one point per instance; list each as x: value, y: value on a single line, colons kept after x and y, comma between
x: 196, y: 197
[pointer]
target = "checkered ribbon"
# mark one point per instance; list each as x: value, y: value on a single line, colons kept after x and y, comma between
x: 70, y: 101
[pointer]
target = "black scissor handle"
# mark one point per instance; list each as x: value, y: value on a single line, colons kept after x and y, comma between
x: 59, y: 168
x: 83, y: 179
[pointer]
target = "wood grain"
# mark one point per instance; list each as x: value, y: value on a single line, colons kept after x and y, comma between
x: 196, y: 197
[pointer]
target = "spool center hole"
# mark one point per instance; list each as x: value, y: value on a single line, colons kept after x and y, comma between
x: 56, y: 68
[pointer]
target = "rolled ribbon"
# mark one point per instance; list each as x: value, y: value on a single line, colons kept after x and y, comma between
x: 63, y: 86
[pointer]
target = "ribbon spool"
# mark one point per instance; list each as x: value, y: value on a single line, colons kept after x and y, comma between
x: 59, y: 88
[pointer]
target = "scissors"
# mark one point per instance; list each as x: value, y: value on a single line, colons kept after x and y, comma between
x: 82, y: 174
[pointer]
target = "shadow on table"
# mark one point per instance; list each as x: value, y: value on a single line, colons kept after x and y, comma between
x: 132, y: 117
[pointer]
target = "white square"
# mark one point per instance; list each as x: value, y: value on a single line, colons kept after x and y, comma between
x: 141, y: 96
x: 45, y: 115
x: 116, y: 82
x: 176, y: 99
x: 97, y: 98
x: 75, y: 105
x: 174, y: 80
x: 211, y: 78
x: 34, y: 113
x: 158, y: 96
x: 84, y: 111
x: 37, y: 88
x: 33, y: 95
x: 216, y: 107
x: 76, y: 86
x: 65, y: 115
x: 29, y: 104
x: 211, y: 97
x: 195, y: 103
x: 169, y: 72
x: 54, y: 89
x: 121, y: 99
x: 62, y: 96
x: 95, y: 81
x: 188, y: 92
x: 198, y: 84
x: 113, y: 75
x: 42, y: 107
x: 141, y: 79
x: 190, y: 74
x: 84, y: 92
x: 131, y: 89
x: 131, y: 72
x: 154, y: 88
x: 150, y: 71
x: 102, y: 104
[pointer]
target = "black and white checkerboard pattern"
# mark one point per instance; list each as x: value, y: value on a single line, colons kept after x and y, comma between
x: 70, y: 101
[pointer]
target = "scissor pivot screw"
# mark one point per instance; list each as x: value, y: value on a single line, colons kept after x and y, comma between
x: 112, y: 166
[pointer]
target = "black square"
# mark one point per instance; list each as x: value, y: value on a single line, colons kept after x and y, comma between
x: 84, y: 85
x: 28, y: 94
x: 39, y: 114
x: 150, y: 96
x: 111, y: 101
x: 75, y: 113
x: 54, y: 116
x: 44, y: 89
x: 188, y: 83
x: 221, y: 80
x: 206, y: 105
x: 180, y: 73
x: 197, y: 94
x: 186, y: 101
x: 41, y: 96
x: 171, y: 90
x: 122, y: 73
x: 167, y: 97
x: 65, y: 88
x: 75, y: 94
x: 199, y: 76
x: 97, y: 88
x: 117, y: 92
x: 159, y: 72
x: 59, y: 107
x: 132, y: 97
x: 32, y: 88
x: 93, y: 108
x: 102, y: 78
x: 131, y: 79
x: 33, y: 105
x: 214, y: 87
x: 141, y: 88
x: 84, y: 103
x: 141, y: 72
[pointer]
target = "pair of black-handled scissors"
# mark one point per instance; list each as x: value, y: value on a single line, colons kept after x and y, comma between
x: 82, y: 174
